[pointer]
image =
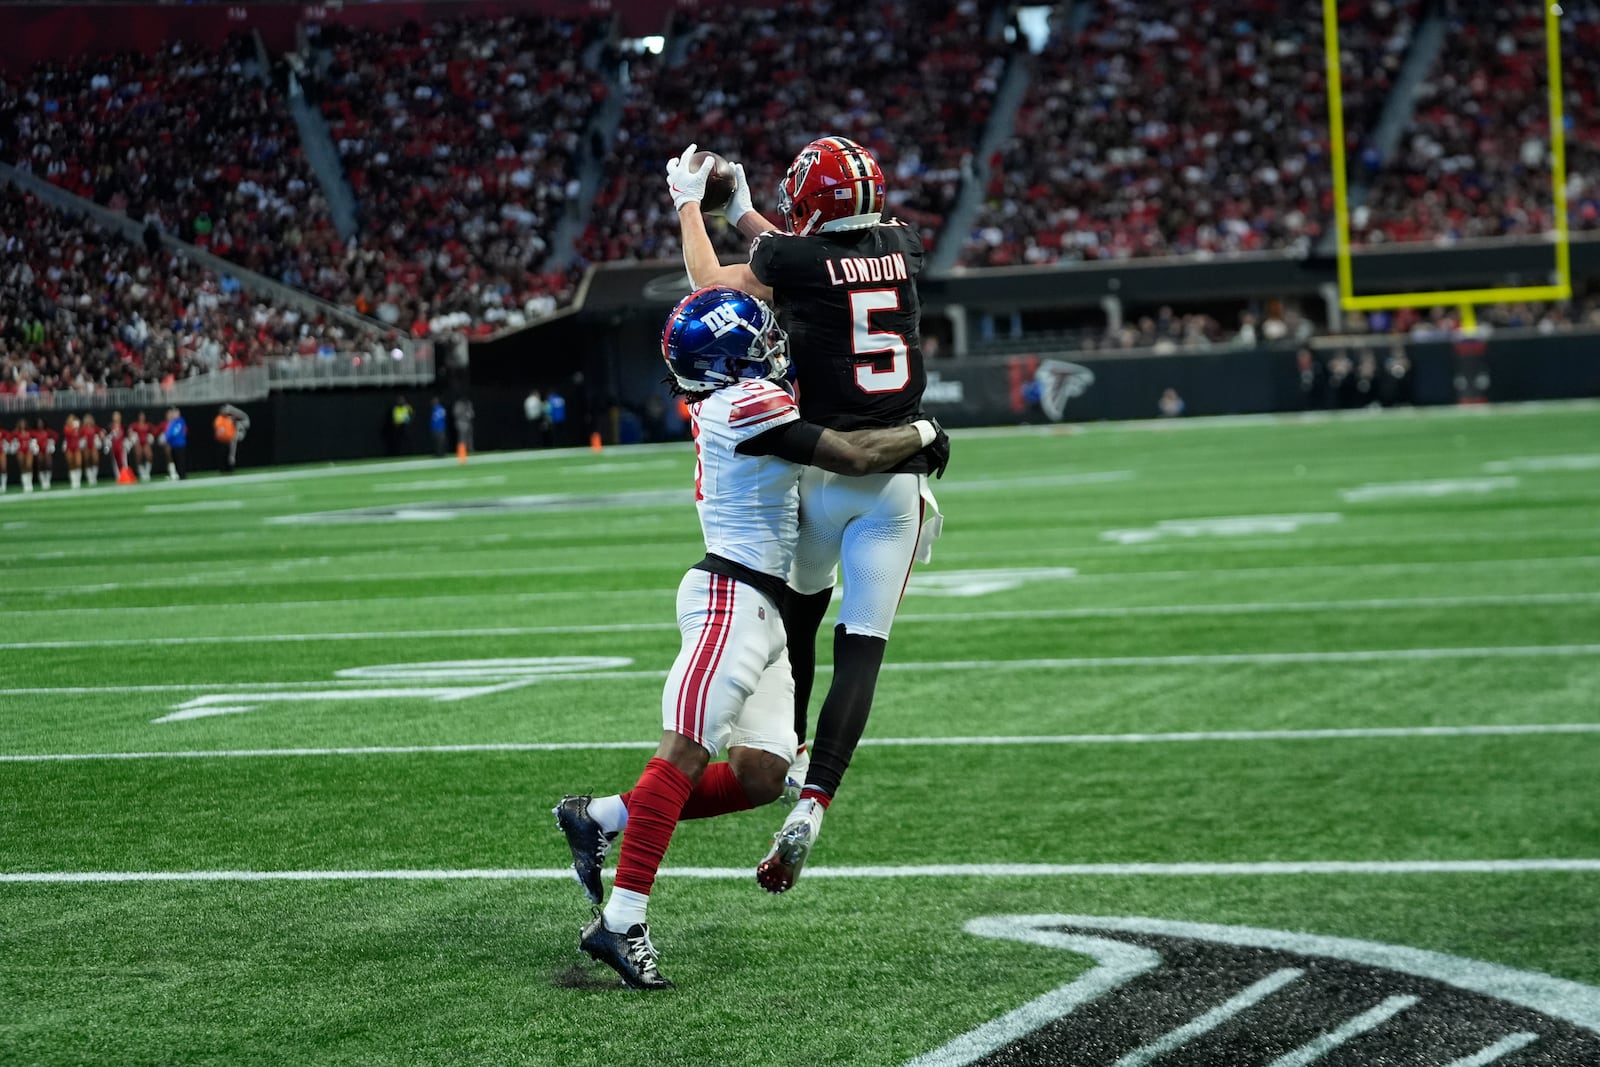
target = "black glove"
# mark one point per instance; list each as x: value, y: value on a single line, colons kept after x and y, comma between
x: 938, y: 452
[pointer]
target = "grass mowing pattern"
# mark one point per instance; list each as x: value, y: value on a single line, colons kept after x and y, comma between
x: 838, y: 971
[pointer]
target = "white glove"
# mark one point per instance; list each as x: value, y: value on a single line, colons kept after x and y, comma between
x: 684, y: 185
x: 740, y: 205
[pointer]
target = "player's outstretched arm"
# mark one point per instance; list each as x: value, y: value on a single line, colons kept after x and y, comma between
x: 854, y: 452
x: 687, y: 186
x: 701, y: 259
x: 860, y: 452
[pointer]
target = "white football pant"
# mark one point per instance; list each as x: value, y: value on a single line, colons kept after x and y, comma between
x: 872, y: 523
x: 731, y: 683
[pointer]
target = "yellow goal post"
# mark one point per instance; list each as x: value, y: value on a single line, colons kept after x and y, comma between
x: 1466, y: 299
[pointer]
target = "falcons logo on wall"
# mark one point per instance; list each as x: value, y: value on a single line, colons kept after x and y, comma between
x: 1060, y: 381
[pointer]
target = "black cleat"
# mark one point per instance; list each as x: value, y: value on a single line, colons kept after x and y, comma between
x: 589, y: 843
x: 630, y: 954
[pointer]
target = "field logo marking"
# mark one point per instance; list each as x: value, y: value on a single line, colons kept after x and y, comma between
x: 1253, y: 997
x: 1362, y: 494
x: 474, y: 678
x: 983, y: 582
x: 1222, y: 526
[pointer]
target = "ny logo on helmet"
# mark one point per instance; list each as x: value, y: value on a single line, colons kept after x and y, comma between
x: 721, y: 319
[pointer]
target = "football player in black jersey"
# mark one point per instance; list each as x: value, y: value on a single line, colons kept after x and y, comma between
x: 843, y: 282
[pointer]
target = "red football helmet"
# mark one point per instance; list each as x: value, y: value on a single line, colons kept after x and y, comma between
x: 833, y: 184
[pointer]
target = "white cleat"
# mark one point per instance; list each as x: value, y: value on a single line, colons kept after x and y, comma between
x: 791, y: 847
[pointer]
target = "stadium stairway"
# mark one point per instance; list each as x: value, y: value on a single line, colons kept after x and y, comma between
x: 323, y: 155
x: 1426, y: 44
x: 1002, y: 121
x: 591, y: 164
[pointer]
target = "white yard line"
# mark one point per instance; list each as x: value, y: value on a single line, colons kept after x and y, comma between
x: 946, y: 870
x: 1427, y: 490
x: 1225, y: 659
x: 1210, y: 1020
x: 1263, y: 607
x: 1505, y: 1046
x: 1217, y: 736
x: 1287, y: 418
x: 229, y: 504
x: 245, y: 578
x: 1374, y: 655
x: 242, y: 578
x: 1323, y: 1044
x: 151, y: 641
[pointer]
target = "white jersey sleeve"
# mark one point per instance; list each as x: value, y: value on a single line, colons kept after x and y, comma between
x: 749, y: 505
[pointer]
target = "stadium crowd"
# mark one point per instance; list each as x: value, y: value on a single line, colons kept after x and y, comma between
x: 1138, y: 137
x: 913, y: 82
x: 191, y: 137
x: 1475, y: 160
x: 460, y: 141
x: 82, y: 309
x: 463, y: 142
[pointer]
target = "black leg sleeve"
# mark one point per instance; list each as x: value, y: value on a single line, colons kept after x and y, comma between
x: 856, y: 662
x: 802, y: 618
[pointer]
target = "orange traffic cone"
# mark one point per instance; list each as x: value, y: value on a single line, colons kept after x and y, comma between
x: 594, y: 440
x: 461, y: 452
x: 125, y: 476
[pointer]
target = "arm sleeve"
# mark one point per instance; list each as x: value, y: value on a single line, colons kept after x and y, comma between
x: 793, y: 441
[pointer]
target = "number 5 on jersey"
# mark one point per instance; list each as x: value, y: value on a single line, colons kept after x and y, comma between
x: 864, y: 342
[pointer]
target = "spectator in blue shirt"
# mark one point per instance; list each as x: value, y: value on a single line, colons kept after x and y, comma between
x: 175, y: 434
x: 438, y: 421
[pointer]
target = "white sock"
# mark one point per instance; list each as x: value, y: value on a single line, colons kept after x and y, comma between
x: 3, y: 477
x: 93, y: 474
x: 27, y: 483
x: 610, y: 812
x: 172, y: 471
x: 144, y: 472
x: 624, y: 909
x: 74, y: 477
x: 44, y: 479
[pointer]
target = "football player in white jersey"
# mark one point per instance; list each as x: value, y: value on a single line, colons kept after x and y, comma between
x: 730, y: 687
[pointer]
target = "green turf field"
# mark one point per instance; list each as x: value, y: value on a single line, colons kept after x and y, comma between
x: 1375, y: 574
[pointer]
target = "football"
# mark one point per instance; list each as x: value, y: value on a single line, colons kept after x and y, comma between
x: 719, y: 186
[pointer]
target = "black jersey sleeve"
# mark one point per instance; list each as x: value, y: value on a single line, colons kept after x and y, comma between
x: 781, y: 260
x: 793, y: 441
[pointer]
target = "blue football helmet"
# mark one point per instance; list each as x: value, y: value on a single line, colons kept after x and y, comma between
x: 718, y: 336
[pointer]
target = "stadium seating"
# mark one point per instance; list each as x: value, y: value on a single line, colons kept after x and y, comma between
x: 1176, y: 128
x: 1153, y: 128
x: 83, y: 309
x: 913, y: 82
x: 187, y: 135
x: 459, y: 140
x: 1474, y: 161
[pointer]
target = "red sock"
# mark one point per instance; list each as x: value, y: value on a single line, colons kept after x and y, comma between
x: 654, y: 806
x: 812, y: 793
x: 716, y: 793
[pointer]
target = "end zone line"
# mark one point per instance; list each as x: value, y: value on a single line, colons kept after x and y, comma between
x: 945, y: 870
x: 1490, y: 730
